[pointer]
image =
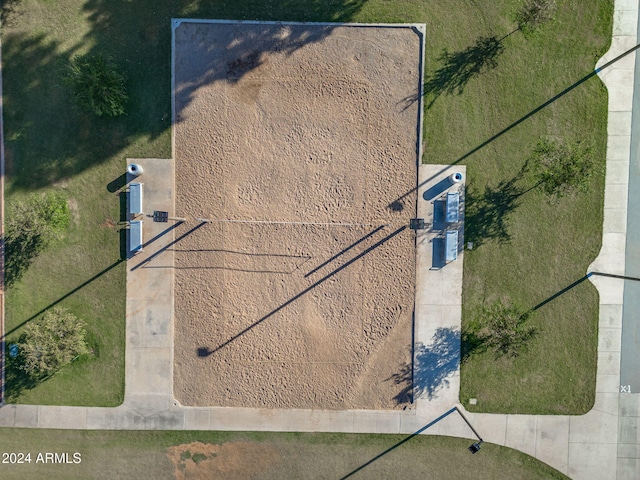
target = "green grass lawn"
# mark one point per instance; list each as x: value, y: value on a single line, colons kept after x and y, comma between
x: 50, y: 145
x: 242, y: 455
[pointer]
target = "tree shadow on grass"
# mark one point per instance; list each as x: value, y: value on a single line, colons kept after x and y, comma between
x: 458, y: 68
x: 17, y: 381
x: 48, y: 139
x: 431, y: 367
x: 487, y: 213
x: 141, y: 31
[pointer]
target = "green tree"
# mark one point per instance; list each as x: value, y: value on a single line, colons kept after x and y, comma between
x: 561, y: 169
x: 31, y: 225
x: 52, y: 342
x: 97, y: 85
x: 533, y: 14
x: 505, y: 329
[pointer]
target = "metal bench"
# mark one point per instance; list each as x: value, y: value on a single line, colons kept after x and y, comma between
x: 453, y: 206
x: 135, y: 199
x: 135, y: 236
x: 451, y: 245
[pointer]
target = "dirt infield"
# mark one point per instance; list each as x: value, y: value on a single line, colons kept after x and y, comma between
x: 294, y: 123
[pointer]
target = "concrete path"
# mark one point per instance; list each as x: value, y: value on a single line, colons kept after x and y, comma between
x: 604, y: 443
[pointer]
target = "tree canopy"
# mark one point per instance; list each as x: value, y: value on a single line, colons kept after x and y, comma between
x: 52, y: 342
x: 97, y: 85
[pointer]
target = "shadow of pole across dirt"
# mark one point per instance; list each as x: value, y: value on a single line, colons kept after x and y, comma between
x: 401, y: 442
x: 345, y: 250
x: 205, y: 352
x: 398, y: 201
x: 166, y: 247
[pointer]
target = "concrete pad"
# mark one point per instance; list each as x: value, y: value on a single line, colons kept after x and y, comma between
x: 615, y: 195
x: 607, y: 403
x: 23, y: 416
x: 629, y: 430
x: 62, y: 417
x: 608, y: 363
x: 611, y: 290
x: 627, y: 469
x: 437, y: 316
x: 491, y: 428
x: 521, y: 433
x: 149, y: 371
x: 615, y: 220
x: 167, y: 420
x: 158, y: 331
x: 7, y: 416
x: 97, y: 419
x: 249, y: 419
x: 618, y: 147
x: 103, y: 418
x: 625, y: 22
x: 628, y: 450
x: 365, y: 421
x: 196, y: 418
x: 619, y: 123
x: 619, y: 79
x: 592, y: 460
x: 552, y: 441
x: 629, y: 405
x: 411, y: 423
x: 627, y: 5
x: 594, y: 426
x: 610, y: 316
x: 151, y: 326
x: 619, y: 45
x: 148, y: 403
x: 617, y: 173
x: 607, y: 384
x: 455, y: 426
x: 326, y: 421
x: 620, y: 95
x: 609, y: 339
x: 629, y: 59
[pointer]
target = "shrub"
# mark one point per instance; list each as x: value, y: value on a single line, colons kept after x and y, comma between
x: 504, y: 329
x: 561, y: 169
x: 30, y: 226
x: 52, y: 342
x: 98, y: 87
x: 534, y: 13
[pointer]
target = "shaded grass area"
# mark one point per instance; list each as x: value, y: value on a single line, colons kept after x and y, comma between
x: 535, y: 250
x: 279, y: 455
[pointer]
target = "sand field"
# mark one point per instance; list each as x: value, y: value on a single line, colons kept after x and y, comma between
x: 306, y: 124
